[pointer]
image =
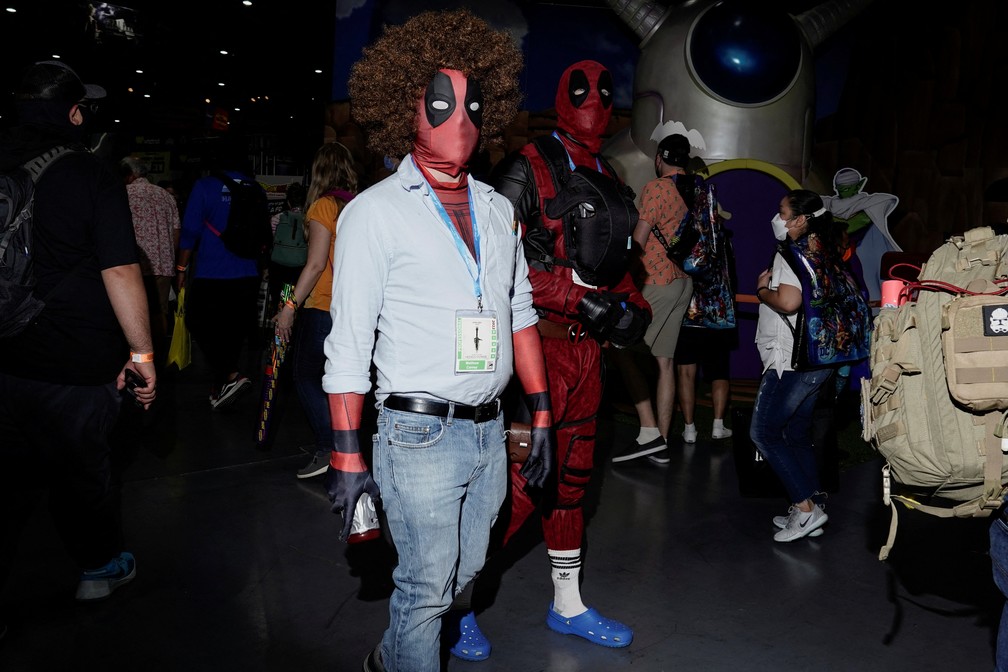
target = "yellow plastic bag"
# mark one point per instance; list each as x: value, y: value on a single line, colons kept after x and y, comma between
x: 180, y: 352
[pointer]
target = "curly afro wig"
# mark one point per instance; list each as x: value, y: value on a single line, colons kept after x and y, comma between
x: 394, y: 73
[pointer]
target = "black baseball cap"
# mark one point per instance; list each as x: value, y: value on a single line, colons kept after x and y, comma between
x: 674, y: 150
x: 55, y: 80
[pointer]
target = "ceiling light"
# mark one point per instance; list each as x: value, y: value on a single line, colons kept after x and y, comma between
x: 116, y: 121
x: 130, y: 89
x: 318, y: 71
x: 238, y: 109
x: 206, y: 100
x: 55, y: 55
x: 146, y: 95
x: 220, y: 83
x: 139, y: 72
x: 14, y: 11
x: 224, y: 51
x: 252, y: 99
x: 247, y: 3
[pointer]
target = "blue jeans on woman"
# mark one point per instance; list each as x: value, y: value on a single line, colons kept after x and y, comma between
x: 442, y: 482
x: 999, y: 565
x: 781, y: 428
x: 313, y: 326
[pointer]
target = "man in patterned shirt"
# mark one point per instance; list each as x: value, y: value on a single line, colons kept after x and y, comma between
x: 156, y: 223
x: 668, y: 289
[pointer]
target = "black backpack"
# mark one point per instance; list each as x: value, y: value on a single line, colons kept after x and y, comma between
x: 18, y: 304
x: 598, y: 215
x: 248, y: 234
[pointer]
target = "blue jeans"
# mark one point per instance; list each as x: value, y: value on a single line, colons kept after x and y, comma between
x: 442, y: 482
x: 781, y: 428
x: 999, y: 565
x: 313, y: 326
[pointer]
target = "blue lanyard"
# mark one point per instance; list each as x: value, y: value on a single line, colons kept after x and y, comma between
x: 460, y: 245
x: 570, y: 161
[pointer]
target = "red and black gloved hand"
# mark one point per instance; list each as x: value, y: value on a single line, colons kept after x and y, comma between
x: 348, y: 476
x: 531, y: 369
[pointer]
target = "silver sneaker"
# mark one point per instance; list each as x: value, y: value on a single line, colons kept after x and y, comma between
x: 781, y: 522
x: 801, y: 523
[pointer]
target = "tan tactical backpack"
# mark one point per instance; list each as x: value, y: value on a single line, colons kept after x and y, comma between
x: 935, y: 405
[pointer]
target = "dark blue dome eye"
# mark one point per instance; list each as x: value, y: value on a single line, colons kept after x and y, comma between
x: 745, y: 53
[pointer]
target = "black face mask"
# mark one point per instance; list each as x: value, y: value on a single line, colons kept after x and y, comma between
x: 55, y: 115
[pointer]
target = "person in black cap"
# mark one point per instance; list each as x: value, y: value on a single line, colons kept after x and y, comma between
x: 60, y: 375
x: 668, y: 289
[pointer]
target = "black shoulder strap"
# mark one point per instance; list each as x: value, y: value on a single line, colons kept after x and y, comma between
x: 555, y: 156
x: 660, y: 236
x: 230, y: 182
x: 686, y: 185
x: 40, y: 163
x: 786, y: 254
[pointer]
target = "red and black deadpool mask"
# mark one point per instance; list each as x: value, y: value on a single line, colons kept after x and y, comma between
x: 449, y: 118
x: 584, y: 102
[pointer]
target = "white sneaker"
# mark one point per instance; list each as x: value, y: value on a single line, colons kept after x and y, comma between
x: 722, y: 433
x: 781, y: 522
x: 689, y: 435
x: 801, y: 523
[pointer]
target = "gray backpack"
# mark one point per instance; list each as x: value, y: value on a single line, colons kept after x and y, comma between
x: 935, y: 405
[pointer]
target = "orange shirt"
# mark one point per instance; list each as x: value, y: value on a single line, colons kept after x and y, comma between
x: 661, y: 204
x: 324, y: 211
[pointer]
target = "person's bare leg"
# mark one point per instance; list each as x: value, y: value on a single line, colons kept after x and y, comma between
x: 636, y: 386
x: 665, y: 395
x: 687, y: 399
x: 720, y: 392
x: 687, y: 390
x: 719, y: 396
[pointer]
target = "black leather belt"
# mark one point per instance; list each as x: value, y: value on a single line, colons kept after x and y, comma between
x: 477, y: 414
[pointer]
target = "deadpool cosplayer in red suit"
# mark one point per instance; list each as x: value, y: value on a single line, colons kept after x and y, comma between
x: 576, y: 321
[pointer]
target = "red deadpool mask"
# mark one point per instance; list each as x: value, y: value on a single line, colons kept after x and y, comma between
x: 584, y: 102
x: 449, y: 117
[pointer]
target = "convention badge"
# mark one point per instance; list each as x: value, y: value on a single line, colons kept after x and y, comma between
x: 476, y: 341
x: 578, y: 281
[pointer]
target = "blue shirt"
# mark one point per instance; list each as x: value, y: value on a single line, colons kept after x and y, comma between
x: 398, y: 280
x: 210, y: 202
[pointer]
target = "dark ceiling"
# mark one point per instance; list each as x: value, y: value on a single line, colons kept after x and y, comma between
x: 273, y: 50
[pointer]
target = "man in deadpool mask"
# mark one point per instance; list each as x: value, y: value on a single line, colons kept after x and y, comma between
x: 570, y: 309
x: 431, y: 287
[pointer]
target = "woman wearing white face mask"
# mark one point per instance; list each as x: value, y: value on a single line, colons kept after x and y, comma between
x: 782, y: 416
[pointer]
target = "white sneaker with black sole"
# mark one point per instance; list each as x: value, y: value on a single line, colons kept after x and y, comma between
x: 801, y: 523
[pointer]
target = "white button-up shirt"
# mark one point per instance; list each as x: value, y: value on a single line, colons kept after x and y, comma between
x: 398, y: 280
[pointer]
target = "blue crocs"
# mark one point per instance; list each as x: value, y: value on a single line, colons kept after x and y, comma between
x: 592, y: 626
x: 472, y: 645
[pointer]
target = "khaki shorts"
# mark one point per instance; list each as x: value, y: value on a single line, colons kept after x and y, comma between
x: 668, y: 306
